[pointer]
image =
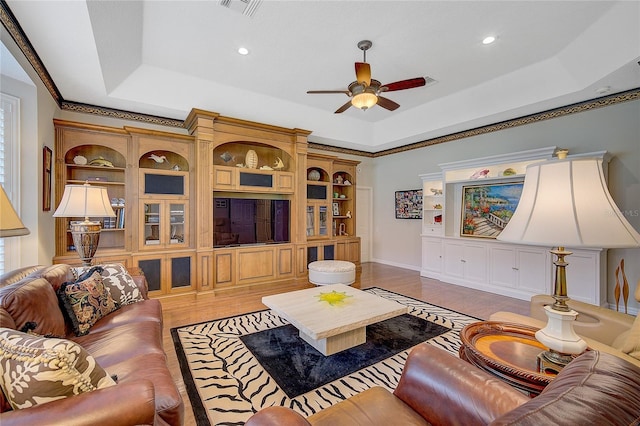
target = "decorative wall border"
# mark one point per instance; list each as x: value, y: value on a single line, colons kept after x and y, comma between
x: 15, y: 30
x: 118, y: 113
x: 605, y: 101
x: 12, y: 26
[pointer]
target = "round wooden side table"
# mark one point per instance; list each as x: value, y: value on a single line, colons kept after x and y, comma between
x: 508, y: 351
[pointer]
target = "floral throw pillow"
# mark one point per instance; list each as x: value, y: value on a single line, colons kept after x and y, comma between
x: 86, y: 302
x: 117, y: 280
x: 35, y: 369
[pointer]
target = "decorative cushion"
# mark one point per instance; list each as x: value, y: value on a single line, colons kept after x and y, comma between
x: 117, y: 280
x: 631, y: 345
x: 86, y: 302
x: 35, y: 370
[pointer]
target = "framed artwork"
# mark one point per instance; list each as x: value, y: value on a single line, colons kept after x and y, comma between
x: 336, y: 209
x: 46, y: 179
x: 409, y: 204
x: 486, y: 209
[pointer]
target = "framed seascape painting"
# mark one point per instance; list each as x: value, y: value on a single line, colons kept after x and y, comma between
x: 486, y: 209
x: 409, y: 204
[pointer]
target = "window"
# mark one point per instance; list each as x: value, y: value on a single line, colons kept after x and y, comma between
x: 9, y: 173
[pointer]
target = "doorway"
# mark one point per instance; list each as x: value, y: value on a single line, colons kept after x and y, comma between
x: 364, y: 207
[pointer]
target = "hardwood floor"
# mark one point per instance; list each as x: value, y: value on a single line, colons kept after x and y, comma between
x: 183, y: 311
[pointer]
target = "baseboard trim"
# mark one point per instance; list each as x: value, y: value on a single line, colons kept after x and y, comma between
x: 399, y: 265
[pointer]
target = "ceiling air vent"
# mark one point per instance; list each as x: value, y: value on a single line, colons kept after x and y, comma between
x: 246, y: 7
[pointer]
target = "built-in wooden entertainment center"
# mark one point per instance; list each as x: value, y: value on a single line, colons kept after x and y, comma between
x: 234, y: 203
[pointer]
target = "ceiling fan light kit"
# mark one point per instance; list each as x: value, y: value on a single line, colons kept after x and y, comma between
x: 365, y: 91
x: 363, y: 97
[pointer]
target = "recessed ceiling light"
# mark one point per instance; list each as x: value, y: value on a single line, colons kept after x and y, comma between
x: 243, y: 51
x: 489, y: 39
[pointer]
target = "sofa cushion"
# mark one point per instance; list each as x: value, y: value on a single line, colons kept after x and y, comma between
x: 373, y: 406
x: 86, y: 302
x: 33, y: 300
x: 35, y: 369
x: 631, y: 344
x: 595, y: 388
x: 118, y: 281
x: 146, y: 311
x: 153, y: 367
x: 16, y: 275
x: 57, y: 274
x: 113, y: 345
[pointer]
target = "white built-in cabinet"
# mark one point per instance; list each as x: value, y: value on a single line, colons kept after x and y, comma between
x: 465, y: 260
x: 487, y: 264
x: 524, y: 268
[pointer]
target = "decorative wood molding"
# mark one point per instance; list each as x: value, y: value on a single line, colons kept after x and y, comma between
x: 13, y: 27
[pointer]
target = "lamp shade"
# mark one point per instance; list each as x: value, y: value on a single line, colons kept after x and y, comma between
x: 84, y: 201
x: 10, y: 223
x: 567, y: 203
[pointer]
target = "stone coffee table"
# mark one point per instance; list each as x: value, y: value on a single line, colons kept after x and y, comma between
x: 333, y: 318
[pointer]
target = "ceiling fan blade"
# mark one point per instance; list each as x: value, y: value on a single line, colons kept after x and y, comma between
x: 343, y: 108
x: 404, y: 84
x: 315, y: 92
x: 387, y: 104
x: 363, y: 73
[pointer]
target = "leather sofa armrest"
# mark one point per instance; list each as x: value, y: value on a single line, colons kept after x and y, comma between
x: 277, y: 416
x: 123, y: 404
x: 444, y: 389
x: 141, y: 281
x: 595, y: 322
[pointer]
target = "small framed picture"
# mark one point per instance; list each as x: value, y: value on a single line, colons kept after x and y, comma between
x: 336, y: 209
x: 46, y: 178
x: 409, y: 204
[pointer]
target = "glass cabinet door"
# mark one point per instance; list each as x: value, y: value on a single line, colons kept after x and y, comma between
x: 152, y: 224
x: 177, y: 215
x: 310, y: 221
x: 323, y: 220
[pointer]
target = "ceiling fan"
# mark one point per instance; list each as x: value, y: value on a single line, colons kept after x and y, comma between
x: 365, y: 91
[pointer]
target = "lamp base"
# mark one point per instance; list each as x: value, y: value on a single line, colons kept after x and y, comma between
x: 85, y: 237
x: 559, y: 336
x: 552, y: 361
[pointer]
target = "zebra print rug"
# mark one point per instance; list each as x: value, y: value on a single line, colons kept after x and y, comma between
x: 226, y: 384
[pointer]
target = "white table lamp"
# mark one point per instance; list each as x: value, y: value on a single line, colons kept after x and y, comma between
x: 566, y: 203
x: 84, y: 201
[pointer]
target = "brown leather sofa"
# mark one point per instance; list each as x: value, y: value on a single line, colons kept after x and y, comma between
x: 127, y: 343
x: 438, y: 388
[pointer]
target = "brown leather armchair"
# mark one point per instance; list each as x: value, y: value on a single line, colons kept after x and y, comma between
x: 440, y: 389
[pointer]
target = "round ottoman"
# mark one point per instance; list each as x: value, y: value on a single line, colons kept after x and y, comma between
x: 324, y: 272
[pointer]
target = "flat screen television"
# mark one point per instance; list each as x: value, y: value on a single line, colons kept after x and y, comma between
x: 242, y: 221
